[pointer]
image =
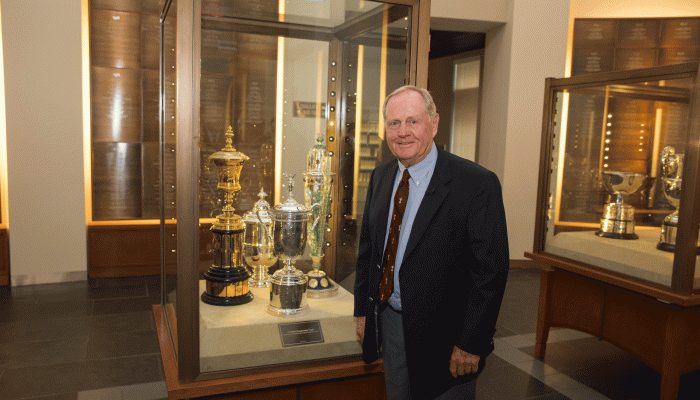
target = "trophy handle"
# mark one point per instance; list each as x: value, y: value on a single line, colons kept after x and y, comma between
x: 267, y: 233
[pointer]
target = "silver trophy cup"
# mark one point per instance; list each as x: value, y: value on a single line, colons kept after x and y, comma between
x: 617, y: 221
x: 671, y: 176
x: 289, y: 229
x: 258, y: 248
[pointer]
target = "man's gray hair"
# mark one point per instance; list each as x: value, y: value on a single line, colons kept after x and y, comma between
x: 427, y: 99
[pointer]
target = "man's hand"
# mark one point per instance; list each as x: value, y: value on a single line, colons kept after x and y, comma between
x: 462, y: 362
x: 361, y: 328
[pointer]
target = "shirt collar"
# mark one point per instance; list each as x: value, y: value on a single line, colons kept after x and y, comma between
x: 419, y: 171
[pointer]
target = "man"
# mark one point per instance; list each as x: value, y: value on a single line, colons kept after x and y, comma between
x: 446, y: 261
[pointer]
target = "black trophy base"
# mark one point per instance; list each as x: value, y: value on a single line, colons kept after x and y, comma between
x: 672, y: 248
x: 614, y: 235
x: 227, y: 286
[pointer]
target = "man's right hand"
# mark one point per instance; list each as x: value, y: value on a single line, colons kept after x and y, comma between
x: 361, y: 328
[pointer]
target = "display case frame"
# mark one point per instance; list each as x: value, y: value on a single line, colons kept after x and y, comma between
x: 179, y: 331
x: 685, y: 255
x: 657, y: 323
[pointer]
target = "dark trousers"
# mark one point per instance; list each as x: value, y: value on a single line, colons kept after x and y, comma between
x: 395, y: 367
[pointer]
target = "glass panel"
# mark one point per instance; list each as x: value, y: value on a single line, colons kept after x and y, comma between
x: 465, y: 115
x: 615, y: 178
x: 280, y: 77
x: 164, y: 173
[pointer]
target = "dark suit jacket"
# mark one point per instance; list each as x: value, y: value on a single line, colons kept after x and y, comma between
x: 453, y: 272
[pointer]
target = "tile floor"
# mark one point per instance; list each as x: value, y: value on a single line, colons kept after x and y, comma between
x: 97, y: 340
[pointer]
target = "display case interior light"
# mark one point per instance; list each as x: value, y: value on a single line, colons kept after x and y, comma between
x: 4, y: 223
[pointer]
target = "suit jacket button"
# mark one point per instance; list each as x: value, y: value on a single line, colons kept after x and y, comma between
x: 371, y: 300
x: 379, y: 266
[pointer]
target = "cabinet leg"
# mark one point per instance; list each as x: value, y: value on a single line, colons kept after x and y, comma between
x: 674, y: 342
x: 543, y: 314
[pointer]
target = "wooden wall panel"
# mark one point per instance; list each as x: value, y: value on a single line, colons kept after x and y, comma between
x: 4, y: 258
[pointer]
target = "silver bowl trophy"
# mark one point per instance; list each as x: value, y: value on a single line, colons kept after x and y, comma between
x: 617, y: 221
x: 289, y: 229
x: 258, y: 249
x: 671, y: 176
x: 227, y: 278
x: 318, y: 185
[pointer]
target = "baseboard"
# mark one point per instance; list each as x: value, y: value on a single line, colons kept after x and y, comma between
x: 525, y: 263
x: 37, y: 279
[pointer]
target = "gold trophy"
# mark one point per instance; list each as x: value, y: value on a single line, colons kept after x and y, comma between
x: 227, y: 279
x: 318, y: 185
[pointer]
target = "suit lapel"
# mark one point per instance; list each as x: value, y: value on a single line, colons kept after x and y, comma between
x: 386, y: 187
x: 433, y: 198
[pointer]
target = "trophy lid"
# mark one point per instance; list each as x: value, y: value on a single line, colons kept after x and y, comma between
x: 228, y: 153
x: 290, y: 206
x: 260, y: 211
x: 318, y: 159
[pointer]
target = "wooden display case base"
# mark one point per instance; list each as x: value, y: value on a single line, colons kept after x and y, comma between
x: 631, y: 316
x: 4, y: 259
x: 345, y: 379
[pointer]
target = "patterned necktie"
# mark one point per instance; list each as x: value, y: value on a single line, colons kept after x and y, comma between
x: 392, y: 244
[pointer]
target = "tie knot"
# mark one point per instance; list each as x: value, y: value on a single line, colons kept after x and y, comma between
x: 405, y: 176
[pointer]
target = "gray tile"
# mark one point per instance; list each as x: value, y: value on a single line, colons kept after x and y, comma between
x: 75, y: 377
x: 45, y: 310
x: 118, y: 306
x: 47, y: 352
x: 122, y: 344
x: 30, y: 330
x: 121, y: 322
x: 509, y: 383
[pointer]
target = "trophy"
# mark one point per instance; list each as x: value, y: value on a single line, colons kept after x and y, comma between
x: 289, y: 229
x: 617, y: 221
x: 227, y: 279
x: 318, y: 184
x: 671, y: 176
x: 258, y: 250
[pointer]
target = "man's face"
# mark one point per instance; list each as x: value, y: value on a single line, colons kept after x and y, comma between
x: 409, y: 130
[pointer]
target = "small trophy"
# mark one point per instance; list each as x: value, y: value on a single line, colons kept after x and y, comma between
x: 671, y: 176
x: 318, y: 185
x: 227, y: 278
x: 617, y: 221
x: 258, y: 249
x: 288, y: 285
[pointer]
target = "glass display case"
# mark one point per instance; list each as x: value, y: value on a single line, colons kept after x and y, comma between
x: 616, y: 150
x: 261, y: 96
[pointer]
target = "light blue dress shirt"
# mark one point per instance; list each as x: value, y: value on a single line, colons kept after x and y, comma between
x: 418, y: 183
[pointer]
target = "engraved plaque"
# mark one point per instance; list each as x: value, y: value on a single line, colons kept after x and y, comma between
x: 117, y: 5
x: 638, y: 33
x: 116, y: 105
x: 594, y: 33
x: 635, y: 58
x: 680, y: 32
x: 116, y: 181
x: 151, y: 180
x: 115, y: 39
x: 151, y: 106
x: 591, y: 60
x: 150, y: 41
x: 679, y: 55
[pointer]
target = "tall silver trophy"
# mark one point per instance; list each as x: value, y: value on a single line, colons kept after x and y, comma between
x: 258, y: 248
x: 617, y: 221
x: 318, y: 186
x: 289, y: 229
x: 671, y: 177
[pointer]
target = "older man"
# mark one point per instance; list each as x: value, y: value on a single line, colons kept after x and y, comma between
x: 433, y: 259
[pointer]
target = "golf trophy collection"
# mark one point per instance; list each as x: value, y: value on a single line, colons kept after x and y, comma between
x: 227, y: 278
x: 289, y: 230
x: 318, y: 185
x: 617, y: 221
